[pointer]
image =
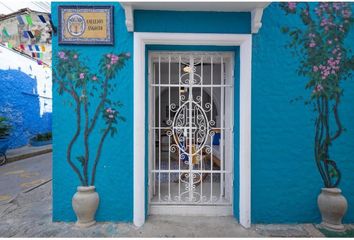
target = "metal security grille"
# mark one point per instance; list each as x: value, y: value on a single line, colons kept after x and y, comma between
x: 190, y: 128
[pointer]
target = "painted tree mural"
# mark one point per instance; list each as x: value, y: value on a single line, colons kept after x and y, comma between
x: 90, y: 93
x: 325, y: 62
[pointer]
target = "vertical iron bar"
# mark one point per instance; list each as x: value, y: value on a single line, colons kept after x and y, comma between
x: 211, y: 137
x: 159, y: 96
x: 222, y: 130
x: 169, y: 137
x: 179, y: 105
x: 154, y: 124
x: 201, y: 104
x: 190, y: 132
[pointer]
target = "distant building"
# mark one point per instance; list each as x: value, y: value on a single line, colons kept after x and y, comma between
x: 26, y: 74
x: 29, y: 32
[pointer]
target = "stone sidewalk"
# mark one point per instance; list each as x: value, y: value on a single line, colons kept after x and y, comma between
x: 27, y: 152
x: 29, y: 215
x: 27, y: 212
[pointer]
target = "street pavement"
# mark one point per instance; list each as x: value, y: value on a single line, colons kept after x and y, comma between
x: 26, y: 211
x: 20, y: 176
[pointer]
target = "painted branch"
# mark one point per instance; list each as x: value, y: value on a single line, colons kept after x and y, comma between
x: 100, y: 105
x: 86, y: 138
x: 317, y: 150
x: 76, y: 135
x: 98, y: 154
x: 326, y: 123
x: 318, y: 139
x: 338, y: 122
x: 323, y: 142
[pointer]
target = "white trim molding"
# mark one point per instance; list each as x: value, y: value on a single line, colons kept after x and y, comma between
x: 245, y: 42
x: 256, y: 19
x: 129, y: 16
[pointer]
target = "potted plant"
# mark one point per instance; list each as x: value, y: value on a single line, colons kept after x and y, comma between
x: 90, y: 93
x: 325, y: 62
x: 5, y: 129
x: 41, y: 139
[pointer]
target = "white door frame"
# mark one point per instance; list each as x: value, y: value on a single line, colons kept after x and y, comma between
x: 244, y: 41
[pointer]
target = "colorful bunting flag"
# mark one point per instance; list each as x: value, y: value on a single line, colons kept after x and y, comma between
x: 4, y: 31
x: 22, y: 47
x: 42, y: 19
x: 29, y: 20
x: 39, y: 62
x: 20, y: 20
x: 37, y: 48
x: 30, y: 34
x: 30, y: 47
x: 25, y: 35
x: 9, y: 45
x: 43, y: 48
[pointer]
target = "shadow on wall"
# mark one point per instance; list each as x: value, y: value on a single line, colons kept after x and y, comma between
x: 19, y: 102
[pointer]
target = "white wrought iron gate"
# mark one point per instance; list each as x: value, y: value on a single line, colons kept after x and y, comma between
x: 190, y: 130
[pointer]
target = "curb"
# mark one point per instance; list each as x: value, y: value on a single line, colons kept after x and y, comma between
x: 28, y: 155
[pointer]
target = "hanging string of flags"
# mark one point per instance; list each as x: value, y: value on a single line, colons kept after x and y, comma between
x: 35, y: 50
x: 27, y: 19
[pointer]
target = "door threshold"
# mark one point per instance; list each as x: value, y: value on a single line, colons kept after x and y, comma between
x: 183, y: 210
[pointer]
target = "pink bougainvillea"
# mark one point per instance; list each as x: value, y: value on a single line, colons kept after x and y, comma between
x: 325, y: 62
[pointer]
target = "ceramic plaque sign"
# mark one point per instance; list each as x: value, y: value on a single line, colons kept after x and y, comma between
x: 86, y: 25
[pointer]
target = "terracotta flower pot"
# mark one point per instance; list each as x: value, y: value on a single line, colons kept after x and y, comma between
x: 85, y: 203
x: 333, y: 206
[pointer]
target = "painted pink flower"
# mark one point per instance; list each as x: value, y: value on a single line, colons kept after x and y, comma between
x: 319, y: 88
x: 318, y: 11
x: 94, y: 78
x: 315, y: 68
x: 292, y: 5
x: 108, y: 55
x: 114, y: 59
x: 75, y: 56
x: 127, y: 54
x: 336, y: 6
x: 109, y: 110
x: 312, y: 44
x: 108, y: 66
x: 346, y: 13
x: 82, y: 75
x: 61, y: 54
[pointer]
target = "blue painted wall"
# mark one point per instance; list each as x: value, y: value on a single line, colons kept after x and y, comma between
x: 19, y: 102
x: 285, y: 181
x: 114, y: 178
